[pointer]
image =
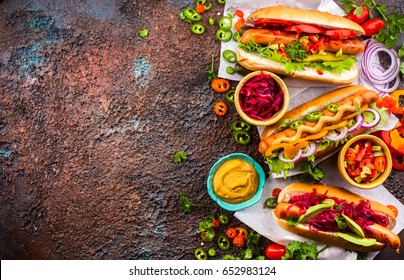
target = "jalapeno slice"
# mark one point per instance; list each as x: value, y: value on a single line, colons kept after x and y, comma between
x: 191, y: 14
x: 230, y: 70
x: 313, y: 116
x: 240, y: 125
x: 200, y: 254
x: 221, y: 1
x: 229, y: 95
x: 212, y: 252
x: 223, y: 242
x: 271, y: 202
x: 224, y: 35
x: 236, y: 36
x: 230, y: 56
x: 296, y: 124
x: 224, y: 219
x: 197, y: 28
x: 242, y: 137
x: 225, y: 23
x: 284, y: 125
x: 332, y: 107
x: 200, y: 2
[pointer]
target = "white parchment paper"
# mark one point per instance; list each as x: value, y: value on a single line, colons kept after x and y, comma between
x: 260, y: 219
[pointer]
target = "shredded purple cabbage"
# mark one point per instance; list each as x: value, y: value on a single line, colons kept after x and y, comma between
x: 261, y: 97
x: 361, y: 213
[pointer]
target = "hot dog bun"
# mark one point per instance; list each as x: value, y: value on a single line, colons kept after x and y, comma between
x: 384, y: 235
x: 255, y: 62
x: 319, y: 103
x: 300, y: 16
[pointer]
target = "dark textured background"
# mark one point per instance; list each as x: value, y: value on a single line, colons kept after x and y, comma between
x: 90, y: 117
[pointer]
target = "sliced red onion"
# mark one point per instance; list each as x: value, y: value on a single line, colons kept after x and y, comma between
x: 375, y: 122
x: 333, y: 135
x: 288, y: 160
x: 359, y: 121
x: 373, y: 75
x: 310, y: 149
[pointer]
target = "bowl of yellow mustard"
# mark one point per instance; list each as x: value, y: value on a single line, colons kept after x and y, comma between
x: 236, y: 181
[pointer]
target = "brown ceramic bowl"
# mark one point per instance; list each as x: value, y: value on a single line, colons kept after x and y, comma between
x: 375, y: 141
x: 277, y: 115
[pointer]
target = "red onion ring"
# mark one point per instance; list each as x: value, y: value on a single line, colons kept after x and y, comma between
x: 334, y: 136
x: 373, y: 75
x: 289, y: 160
x: 309, y: 150
x: 375, y: 122
x: 359, y: 121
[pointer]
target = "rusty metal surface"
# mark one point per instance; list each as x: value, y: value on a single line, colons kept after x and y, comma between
x: 90, y: 117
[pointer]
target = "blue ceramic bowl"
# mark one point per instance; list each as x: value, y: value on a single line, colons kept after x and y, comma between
x: 251, y: 201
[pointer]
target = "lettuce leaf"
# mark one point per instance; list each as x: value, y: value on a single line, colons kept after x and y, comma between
x: 276, y: 166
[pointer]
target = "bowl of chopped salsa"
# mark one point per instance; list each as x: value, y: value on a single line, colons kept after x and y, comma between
x: 365, y: 161
x: 261, y: 98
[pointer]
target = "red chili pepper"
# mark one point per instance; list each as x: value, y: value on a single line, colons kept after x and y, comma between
x: 220, y: 108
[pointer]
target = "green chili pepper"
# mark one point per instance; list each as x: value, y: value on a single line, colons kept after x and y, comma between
x: 197, y: 28
x: 191, y: 14
x: 296, y: 124
x: 229, y: 95
x: 225, y: 23
x: 351, y: 123
x: 212, y: 252
x: 221, y: 1
x: 224, y: 219
x: 242, y: 137
x: 211, y: 21
x: 284, y: 125
x: 208, y: 7
x: 332, y: 107
x: 313, y: 116
x: 230, y: 56
x: 271, y: 202
x: 223, y: 242
x: 200, y: 254
x: 197, y: 2
x: 230, y: 70
x: 224, y: 35
x: 236, y: 36
x: 240, y: 125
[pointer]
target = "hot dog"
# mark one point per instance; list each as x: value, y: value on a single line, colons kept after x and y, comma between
x: 316, y: 128
x: 336, y: 216
x: 307, y: 44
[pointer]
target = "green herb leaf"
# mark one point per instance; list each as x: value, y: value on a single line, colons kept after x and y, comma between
x: 316, y: 172
x: 186, y: 205
x: 179, y: 157
x: 297, y: 250
x: 211, y: 74
x: 296, y: 50
x: 143, y: 33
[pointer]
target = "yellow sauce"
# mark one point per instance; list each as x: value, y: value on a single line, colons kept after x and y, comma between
x: 235, y: 181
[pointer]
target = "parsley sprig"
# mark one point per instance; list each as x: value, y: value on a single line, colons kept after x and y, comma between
x: 297, y: 250
x: 296, y: 50
x: 186, y: 205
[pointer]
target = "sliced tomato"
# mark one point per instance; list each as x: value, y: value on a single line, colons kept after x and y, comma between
x: 350, y: 155
x: 305, y: 28
x: 340, y: 34
x: 398, y: 161
x: 268, y: 22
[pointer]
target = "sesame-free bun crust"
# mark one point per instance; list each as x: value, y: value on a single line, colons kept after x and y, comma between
x: 301, y: 16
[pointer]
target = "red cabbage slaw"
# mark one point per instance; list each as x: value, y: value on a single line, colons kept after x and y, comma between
x: 361, y: 213
x: 261, y: 97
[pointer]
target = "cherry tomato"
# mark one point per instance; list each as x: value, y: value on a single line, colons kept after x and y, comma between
x: 380, y: 163
x: 231, y: 233
x: 220, y: 108
x: 350, y: 155
x: 241, y: 231
x: 275, y: 251
x: 220, y: 85
x: 398, y: 161
x: 239, y: 13
x: 200, y: 8
x: 276, y: 192
x: 215, y: 223
x: 239, y: 241
x: 305, y: 28
x: 373, y: 26
x: 393, y: 209
x: 238, y: 25
x: 340, y: 34
x: 359, y: 14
